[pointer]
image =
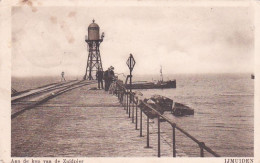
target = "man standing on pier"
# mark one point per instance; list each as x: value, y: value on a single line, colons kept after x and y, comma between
x: 111, y: 75
x: 108, y: 77
x: 62, y: 77
x: 100, y: 78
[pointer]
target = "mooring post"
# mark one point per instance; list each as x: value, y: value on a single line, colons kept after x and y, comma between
x: 159, y: 142
x: 141, y: 122
x: 173, y: 140
x: 201, y: 145
x: 147, y: 132
x: 136, y: 114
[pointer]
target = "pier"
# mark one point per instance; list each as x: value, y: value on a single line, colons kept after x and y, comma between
x: 73, y: 119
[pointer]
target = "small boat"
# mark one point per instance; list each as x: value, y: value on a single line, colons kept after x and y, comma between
x: 162, y: 104
x: 179, y: 109
x: 150, y: 113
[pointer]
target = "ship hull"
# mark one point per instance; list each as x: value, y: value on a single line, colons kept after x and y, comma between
x: 151, y: 85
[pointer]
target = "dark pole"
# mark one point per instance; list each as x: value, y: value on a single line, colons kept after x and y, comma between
x: 173, y: 141
x: 201, y: 145
x: 136, y: 115
x: 201, y: 152
x: 159, y: 143
x: 129, y: 105
x: 147, y: 132
x: 90, y: 66
x: 130, y: 81
x: 133, y: 110
x: 131, y: 66
x: 126, y: 102
x: 141, y: 122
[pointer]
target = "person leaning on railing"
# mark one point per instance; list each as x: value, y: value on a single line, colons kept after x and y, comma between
x: 113, y: 87
x: 108, y: 77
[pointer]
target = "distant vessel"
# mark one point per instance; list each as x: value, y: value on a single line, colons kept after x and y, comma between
x: 153, y: 85
x: 252, y: 76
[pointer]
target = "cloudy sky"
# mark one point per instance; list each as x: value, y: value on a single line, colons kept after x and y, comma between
x: 48, y: 40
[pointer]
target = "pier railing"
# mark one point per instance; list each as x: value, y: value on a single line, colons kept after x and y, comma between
x: 131, y: 104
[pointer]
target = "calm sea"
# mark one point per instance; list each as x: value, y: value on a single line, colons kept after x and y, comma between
x: 224, y: 112
x: 25, y: 83
x: 223, y: 104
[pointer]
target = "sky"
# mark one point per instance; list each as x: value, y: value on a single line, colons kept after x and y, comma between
x: 49, y: 40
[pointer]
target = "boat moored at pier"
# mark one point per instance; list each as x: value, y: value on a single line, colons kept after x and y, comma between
x: 162, y: 104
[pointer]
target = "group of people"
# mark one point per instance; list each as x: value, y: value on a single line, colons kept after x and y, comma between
x: 108, y: 76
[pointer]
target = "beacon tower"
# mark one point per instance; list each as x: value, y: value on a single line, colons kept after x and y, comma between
x: 94, y: 59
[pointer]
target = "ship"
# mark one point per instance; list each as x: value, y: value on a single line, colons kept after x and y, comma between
x: 152, y: 85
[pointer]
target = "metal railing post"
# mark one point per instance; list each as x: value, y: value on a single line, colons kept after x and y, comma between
x: 147, y: 138
x: 136, y: 115
x: 126, y: 102
x: 133, y: 111
x: 173, y: 141
x: 117, y: 92
x: 201, y: 145
x: 141, y: 122
x: 121, y: 96
x: 129, y: 105
x: 159, y: 143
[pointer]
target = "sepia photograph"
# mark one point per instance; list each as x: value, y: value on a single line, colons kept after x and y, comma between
x: 149, y: 80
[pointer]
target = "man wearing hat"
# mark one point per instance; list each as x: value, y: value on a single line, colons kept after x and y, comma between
x: 111, y: 75
x: 62, y: 76
x: 99, y: 76
x: 105, y: 77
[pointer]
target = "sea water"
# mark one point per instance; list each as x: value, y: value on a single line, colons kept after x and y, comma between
x: 224, y: 112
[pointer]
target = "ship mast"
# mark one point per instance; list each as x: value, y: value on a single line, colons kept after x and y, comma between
x: 161, y: 74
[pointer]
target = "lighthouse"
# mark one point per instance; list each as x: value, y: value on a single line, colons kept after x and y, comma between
x: 93, y: 41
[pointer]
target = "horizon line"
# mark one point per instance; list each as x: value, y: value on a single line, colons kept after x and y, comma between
x: 199, y: 73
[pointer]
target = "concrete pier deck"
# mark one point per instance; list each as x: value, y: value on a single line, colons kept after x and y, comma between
x: 82, y: 123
